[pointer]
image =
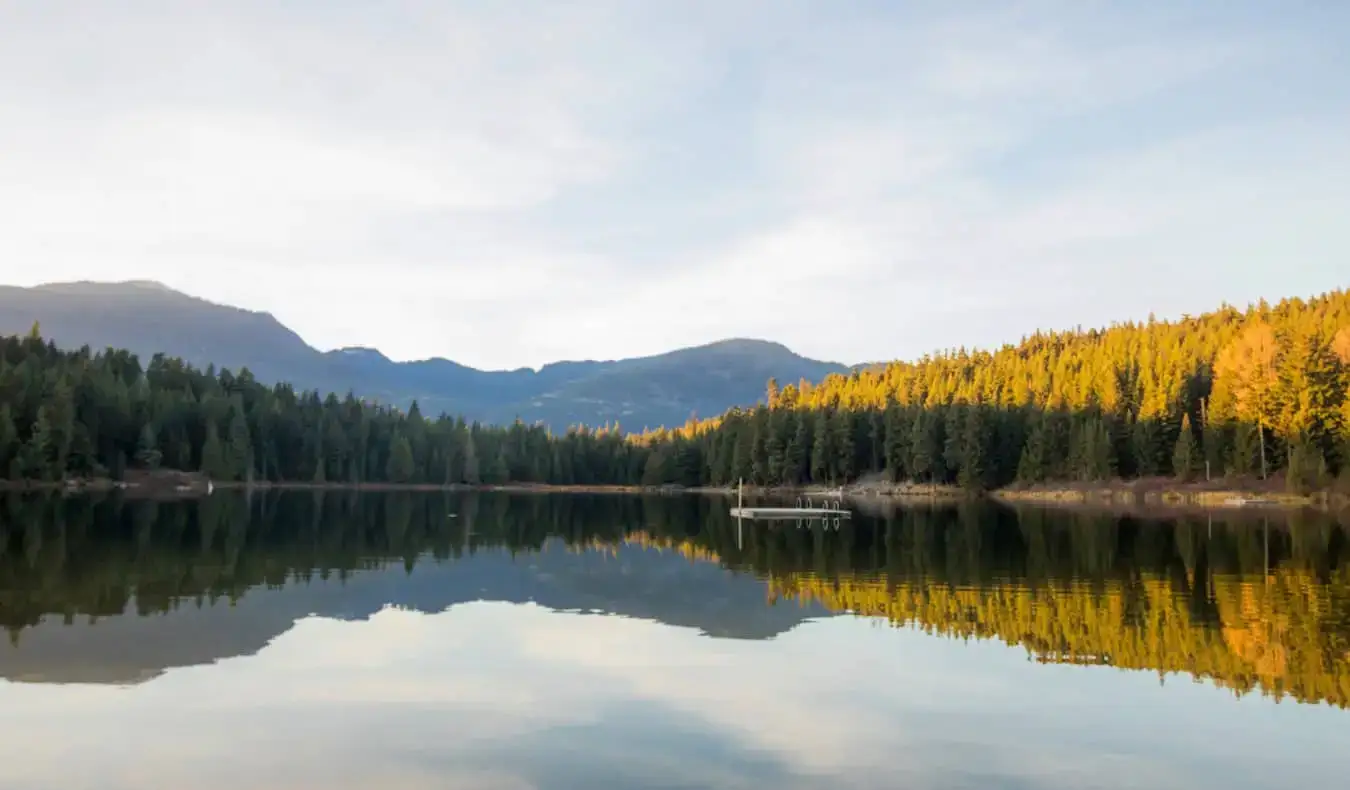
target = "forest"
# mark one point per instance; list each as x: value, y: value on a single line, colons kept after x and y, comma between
x: 1259, y: 392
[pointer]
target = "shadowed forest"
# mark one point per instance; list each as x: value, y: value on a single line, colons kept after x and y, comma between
x: 1253, y: 606
x: 1245, y: 394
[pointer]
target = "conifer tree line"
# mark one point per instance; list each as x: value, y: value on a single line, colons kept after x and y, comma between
x: 1261, y: 392
x: 1249, y: 393
x: 80, y: 414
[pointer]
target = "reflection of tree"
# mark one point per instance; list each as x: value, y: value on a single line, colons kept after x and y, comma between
x: 1093, y: 589
x: 1247, y: 607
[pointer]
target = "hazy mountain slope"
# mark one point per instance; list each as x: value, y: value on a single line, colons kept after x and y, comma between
x: 663, y: 389
x: 147, y: 318
x: 666, y: 389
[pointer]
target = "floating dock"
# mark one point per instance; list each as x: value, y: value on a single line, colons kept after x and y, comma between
x: 789, y: 513
x: 804, y: 510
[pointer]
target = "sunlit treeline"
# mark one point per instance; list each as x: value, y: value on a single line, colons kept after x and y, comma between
x: 1251, y: 393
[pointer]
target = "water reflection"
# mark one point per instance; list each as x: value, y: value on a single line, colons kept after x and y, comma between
x: 495, y: 641
x: 1252, y: 605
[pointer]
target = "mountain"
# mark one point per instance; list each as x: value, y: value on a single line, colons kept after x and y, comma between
x: 665, y: 389
x: 633, y: 582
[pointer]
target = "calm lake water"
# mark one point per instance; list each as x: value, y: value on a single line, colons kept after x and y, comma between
x: 431, y: 641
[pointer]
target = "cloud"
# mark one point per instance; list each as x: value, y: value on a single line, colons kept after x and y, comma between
x: 498, y: 695
x: 509, y: 185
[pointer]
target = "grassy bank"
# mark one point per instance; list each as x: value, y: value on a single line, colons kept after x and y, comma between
x: 1171, y: 493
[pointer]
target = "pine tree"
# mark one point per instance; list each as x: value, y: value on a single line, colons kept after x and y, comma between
x: 1146, y: 442
x: 822, y: 450
x: 501, y: 468
x: 239, y: 451
x: 876, y: 439
x: 1186, y: 458
x: 1214, y: 443
x: 1094, y: 454
x: 843, y: 444
x: 148, y: 454
x: 926, y: 443
x: 37, y: 463
x: 954, y: 420
x: 471, y: 475
x: 400, y: 466
x: 798, y: 449
x: 775, y: 448
x: 214, y: 464
x: 896, y: 442
x: 1306, y: 469
x: 9, y: 438
x: 742, y: 453
x: 759, y: 447
x: 975, y: 451
x: 1309, y: 393
x: 1032, y: 466
x: 1244, y: 459
x: 659, y: 469
x: 60, y: 428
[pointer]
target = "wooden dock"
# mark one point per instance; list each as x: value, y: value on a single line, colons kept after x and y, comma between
x: 790, y: 513
x: 807, y: 509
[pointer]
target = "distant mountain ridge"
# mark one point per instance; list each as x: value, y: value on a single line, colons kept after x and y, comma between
x: 664, y: 389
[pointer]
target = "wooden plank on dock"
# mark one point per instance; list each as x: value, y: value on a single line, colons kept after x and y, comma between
x: 788, y: 512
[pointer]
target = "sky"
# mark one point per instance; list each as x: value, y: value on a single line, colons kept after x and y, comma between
x: 507, y: 184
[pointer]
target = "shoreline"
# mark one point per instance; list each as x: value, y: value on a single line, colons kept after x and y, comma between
x: 1121, y: 496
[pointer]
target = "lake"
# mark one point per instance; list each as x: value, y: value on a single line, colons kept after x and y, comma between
x: 336, y: 640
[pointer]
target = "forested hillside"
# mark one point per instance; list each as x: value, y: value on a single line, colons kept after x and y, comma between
x: 1252, y: 392
x: 1234, y: 392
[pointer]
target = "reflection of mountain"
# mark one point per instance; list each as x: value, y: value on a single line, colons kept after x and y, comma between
x: 628, y: 580
x: 1247, y: 608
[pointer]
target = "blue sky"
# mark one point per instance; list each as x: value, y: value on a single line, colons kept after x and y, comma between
x: 513, y: 183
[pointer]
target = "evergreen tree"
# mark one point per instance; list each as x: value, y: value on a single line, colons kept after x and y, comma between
x: 896, y: 442
x: 976, y: 446
x: 842, y: 445
x: 501, y: 470
x: 239, y: 452
x: 759, y: 447
x: 400, y: 469
x: 37, y: 460
x: 822, y: 450
x: 775, y: 447
x: 798, y: 449
x: 9, y: 437
x: 660, y: 468
x: 471, y: 475
x: 1186, y: 457
x: 1246, y: 453
x: 214, y: 463
x: 148, y: 454
x: 1032, y: 466
x: 926, y: 443
x: 742, y: 453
